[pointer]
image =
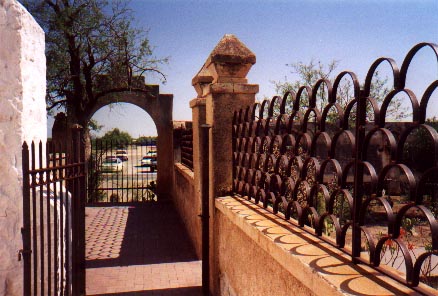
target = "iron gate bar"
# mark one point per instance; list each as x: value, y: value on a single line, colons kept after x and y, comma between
x: 25, y: 230
x: 49, y: 270
x: 41, y: 200
x: 35, y: 248
x: 48, y: 230
x: 55, y: 218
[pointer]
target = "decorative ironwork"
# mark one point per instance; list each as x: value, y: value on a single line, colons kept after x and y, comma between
x: 54, y: 192
x: 348, y: 175
x: 187, y: 148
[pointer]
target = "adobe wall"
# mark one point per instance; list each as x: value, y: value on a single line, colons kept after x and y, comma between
x: 22, y: 117
x: 188, y: 204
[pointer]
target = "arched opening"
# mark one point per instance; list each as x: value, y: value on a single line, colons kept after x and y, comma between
x: 159, y: 107
x: 122, y: 167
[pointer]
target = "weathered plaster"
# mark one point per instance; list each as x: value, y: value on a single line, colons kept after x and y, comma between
x: 22, y: 117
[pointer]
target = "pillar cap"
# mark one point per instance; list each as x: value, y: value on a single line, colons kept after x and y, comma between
x: 231, y: 50
x: 229, y: 62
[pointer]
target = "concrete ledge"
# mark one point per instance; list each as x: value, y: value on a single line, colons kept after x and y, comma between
x: 323, y: 269
x: 185, y: 171
x: 197, y: 102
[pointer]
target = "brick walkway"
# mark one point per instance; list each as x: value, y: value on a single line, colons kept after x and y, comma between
x: 139, y: 251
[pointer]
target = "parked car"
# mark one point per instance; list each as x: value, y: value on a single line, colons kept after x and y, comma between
x: 149, y: 161
x: 152, y: 153
x: 112, y: 164
x: 122, y: 154
x: 110, y: 157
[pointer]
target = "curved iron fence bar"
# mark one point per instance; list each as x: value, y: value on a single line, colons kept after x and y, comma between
x: 362, y: 187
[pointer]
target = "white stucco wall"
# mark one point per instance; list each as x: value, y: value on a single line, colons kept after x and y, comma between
x: 22, y: 117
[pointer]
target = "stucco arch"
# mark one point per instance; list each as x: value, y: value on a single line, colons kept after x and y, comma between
x: 159, y: 107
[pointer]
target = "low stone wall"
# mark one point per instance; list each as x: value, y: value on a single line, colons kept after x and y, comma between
x: 260, y: 254
x: 188, y: 204
x: 247, y: 269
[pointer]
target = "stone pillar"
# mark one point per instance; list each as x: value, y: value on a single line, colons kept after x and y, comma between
x: 22, y: 117
x: 222, y: 86
x: 164, y: 147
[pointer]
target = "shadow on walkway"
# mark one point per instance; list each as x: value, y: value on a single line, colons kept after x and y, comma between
x: 153, y: 234
x: 161, y: 292
x: 139, y: 250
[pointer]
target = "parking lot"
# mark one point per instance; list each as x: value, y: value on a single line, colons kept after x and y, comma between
x: 133, y: 182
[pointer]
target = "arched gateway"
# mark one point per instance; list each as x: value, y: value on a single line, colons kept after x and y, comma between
x: 159, y: 107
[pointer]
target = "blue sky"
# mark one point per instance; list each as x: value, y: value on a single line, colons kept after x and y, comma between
x: 279, y: 32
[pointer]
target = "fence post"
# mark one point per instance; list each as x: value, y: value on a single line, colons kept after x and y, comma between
x: 205, y: 214
x: 222, y: 87
x: 358, y: 174
x: 78, y: 191
x: 25, y: 230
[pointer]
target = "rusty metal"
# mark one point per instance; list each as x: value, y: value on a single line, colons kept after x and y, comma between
x: 52, y: 215
x: 205, y: 215
x: 364, y: 184
x: 187, y: 148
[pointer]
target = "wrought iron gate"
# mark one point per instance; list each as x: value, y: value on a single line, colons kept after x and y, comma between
x: 54, y: 193
x: 122, y: 172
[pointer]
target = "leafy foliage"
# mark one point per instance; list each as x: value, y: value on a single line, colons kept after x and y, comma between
x: 146, y: 141
x: 92, y: 49
x: 310, y: 73
x: 116, y: 136
x: 93, y: 125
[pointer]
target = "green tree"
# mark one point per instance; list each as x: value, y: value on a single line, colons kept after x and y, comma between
x: 93, y: 125
x: 116, y: 136
x: 143, y: 140
x: 310, y: 73
x: 92, y: 50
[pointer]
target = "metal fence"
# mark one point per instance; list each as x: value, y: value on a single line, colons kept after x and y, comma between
x: 122, y: 172
x: 187, y: 148
x: 348, y: 174
x: 53, y: 219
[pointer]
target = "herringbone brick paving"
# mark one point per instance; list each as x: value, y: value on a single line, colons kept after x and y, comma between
x: 142, y: 250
